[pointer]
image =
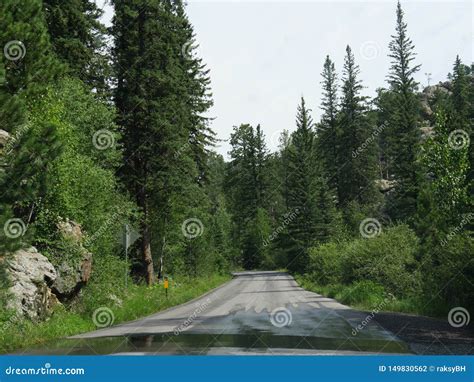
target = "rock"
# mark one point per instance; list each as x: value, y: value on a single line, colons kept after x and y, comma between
x: 31, y: 275
x: 4, y: 136
x: 72, y: 274
x: 71, y: 230
x: 429, y: 93
x: 72, y: 277
x: 385, y: 185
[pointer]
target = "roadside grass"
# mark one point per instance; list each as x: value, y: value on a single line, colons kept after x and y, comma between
x: 367, y: 296
x: 138, y: 301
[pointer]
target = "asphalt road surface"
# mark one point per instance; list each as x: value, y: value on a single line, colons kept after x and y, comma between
x: 254, y: 313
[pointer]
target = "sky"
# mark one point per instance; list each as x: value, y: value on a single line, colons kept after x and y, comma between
x: 264, y: 56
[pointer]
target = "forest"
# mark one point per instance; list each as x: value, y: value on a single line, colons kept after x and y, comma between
x: 102, y: 128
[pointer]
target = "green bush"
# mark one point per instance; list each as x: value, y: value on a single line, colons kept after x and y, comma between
x: 325, y: 265
x: 448, y: 273
x: 387, y: 260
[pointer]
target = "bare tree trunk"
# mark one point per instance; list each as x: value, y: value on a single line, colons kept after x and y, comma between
x: 146, y: 237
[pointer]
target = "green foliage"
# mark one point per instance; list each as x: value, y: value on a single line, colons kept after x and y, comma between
x: 81, y: 184
x: 388, y: 260
x: 403, y: 132
x: 78, y: 39
x: 356, y: 157
x: 449, y: 269
x: 246, y: 187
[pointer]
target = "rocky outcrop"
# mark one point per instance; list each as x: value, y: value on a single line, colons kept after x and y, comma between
x: 31, y: 275
x: 72, y: 275
x: 429, y: 94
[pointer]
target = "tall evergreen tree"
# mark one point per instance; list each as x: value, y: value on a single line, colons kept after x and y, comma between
x: 247, y: 185
x: 197, y: 95
x: 300, y: 192
x: 153, y: 114
x: 79, y: 39
x: 403, y: 130
x: 357, y: 154
x: 327, y: 133
x: 463, y: 108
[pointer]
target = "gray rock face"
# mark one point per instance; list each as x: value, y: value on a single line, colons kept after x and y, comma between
x: 31, y: 275
x: 71, y: 277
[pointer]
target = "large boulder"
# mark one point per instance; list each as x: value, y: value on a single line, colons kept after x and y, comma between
x: 73, y: 274
x: 31, y: 275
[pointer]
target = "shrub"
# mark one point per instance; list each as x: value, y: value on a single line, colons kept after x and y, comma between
x: 387, y: 260
x: 325, y: 265
x: 366, y: 292
x: 449, y: 271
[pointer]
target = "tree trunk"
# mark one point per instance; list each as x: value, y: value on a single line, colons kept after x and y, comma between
x: 146, y: 238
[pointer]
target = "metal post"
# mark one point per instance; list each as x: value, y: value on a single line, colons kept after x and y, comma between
x: 127, y: 243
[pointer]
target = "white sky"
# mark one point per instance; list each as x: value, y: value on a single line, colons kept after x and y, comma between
x: 265, y: 55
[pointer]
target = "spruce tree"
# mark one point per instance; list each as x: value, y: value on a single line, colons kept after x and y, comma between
x: 300, y: 193
x: 327, y: 133
x: 148, y: 112
x: 357, y: 154
x: 403, y: 130
x: 462, y: 108
x: 79, y: 39
x: 247, y: 185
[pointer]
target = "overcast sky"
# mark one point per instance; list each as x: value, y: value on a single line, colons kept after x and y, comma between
x: 265, y: 55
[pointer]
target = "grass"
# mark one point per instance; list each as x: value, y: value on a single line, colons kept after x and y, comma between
x: 139, y: 301
x: 366, y: 296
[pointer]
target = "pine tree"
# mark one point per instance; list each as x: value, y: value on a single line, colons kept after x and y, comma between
x: 300, y: 193
x: 357, y: 155
x: 461, y: 106
x: 150, y: 114
x: 247, y: 185
x: 403, y: 130
x: 327, y: 133
x: 79, y: 39
x: 197, y: 95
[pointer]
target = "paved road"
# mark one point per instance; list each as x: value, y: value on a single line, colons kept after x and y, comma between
x: 256, y: 312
